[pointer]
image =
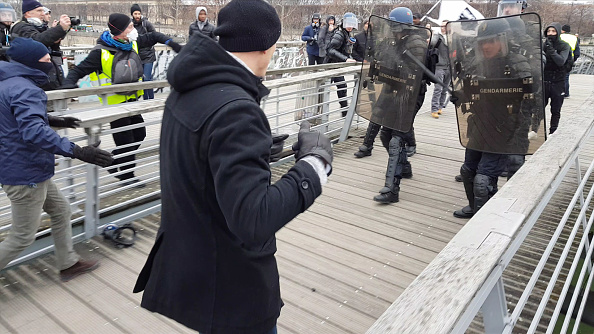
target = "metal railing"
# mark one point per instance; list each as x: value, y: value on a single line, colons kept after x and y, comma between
x: 97, y: 199
x: 467, y: 276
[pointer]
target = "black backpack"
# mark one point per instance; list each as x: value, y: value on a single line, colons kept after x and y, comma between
x: 126, y: 67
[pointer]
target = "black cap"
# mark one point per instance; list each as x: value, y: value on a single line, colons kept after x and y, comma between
x: 237, y: 31
x: 417, y: 16
x: 135, y: 7
x: 566, y: 28
x: 118, y: 23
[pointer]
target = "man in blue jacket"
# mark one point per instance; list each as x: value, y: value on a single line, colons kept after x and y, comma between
x: 27, y: 148
x: 310, y: 35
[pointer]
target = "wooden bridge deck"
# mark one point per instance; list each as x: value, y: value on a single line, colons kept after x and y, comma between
x: 342, y: 263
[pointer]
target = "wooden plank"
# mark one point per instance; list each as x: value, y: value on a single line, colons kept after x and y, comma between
x: 19, y: 311
x: 56, y: 301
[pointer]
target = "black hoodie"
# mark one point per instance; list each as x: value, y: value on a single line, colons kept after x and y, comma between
x: 213, y: 267
x: 557, y: 51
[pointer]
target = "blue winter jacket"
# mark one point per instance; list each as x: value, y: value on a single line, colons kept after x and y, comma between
x: 27, y: 143
x: 308, y: 34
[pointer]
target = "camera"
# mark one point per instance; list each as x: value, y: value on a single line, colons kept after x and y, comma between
x: 74, y: 21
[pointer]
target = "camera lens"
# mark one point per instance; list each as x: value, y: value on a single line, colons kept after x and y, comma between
x: 74, y: 21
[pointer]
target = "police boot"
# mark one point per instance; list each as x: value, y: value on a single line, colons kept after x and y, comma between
x: 407, y: 170
x: 467, y: 177
x: 365, y: 149
x: 397, y: 155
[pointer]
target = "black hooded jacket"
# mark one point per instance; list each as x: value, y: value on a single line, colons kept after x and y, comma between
x: 147, y: 54
x: 208, y: 29
x: 557, y: 51
x: 324, y: 37
x: 213, y: 267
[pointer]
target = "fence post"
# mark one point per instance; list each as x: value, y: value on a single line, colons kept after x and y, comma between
x: 325, y: 100
x: 584, y: 220
x: 60, y: 107
x: 494, y: 309
x: 348, y: 120
x: 92, y: 191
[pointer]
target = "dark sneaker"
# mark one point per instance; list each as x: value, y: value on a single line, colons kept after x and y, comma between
x: 136, y: 181
x: 465, y: 212
x: 78, y: 269
x: 458, y: 178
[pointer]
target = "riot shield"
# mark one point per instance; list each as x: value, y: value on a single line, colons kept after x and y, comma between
x: 496, y: 69
x: 391, y: 81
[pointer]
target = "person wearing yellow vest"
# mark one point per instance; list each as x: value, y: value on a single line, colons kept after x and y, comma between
x: 574, y: 42
x: 120, y: 42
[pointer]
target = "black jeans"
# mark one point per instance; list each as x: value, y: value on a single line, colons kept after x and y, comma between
x: 553, y: 91
x: 314, y: 60
x: 342, y: 91
x: 124, y: 138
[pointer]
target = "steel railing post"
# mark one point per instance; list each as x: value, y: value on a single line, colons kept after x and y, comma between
x: 92, y: 190
x: 348, y: 120
x: 494, y: 309
x: 584, y: 220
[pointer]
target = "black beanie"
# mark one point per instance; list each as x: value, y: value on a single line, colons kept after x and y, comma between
x: 135, y: 7
x: 248, y: 25
x: 566, y: 28
x: 29, y: 5
x: 118, y: 23
x: 26, y: 51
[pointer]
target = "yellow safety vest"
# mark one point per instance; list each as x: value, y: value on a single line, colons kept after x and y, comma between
x: 570, y: 39
x: 104, y: 78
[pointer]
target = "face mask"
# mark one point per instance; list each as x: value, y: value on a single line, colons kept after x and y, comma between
x: 132, y: 35
x: 552, y: 38
x: 44, y: 67
x: 315, y: 24
x: 35, y: 21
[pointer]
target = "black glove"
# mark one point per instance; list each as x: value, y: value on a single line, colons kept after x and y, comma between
x: 93, y: 155
x: 312, y: 143
x: 176, y: 47
x: 454, y: 99
x: 278, y: 143
x: 63, y: 122
x: 68, y: 86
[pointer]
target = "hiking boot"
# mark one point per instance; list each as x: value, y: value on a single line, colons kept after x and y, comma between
x: 465, y: 212
x: 458, y: 178
x: 386, y: 196
x: 439, y: 112
x: 411, y: 150
x: 434, y: 115
x: 78, y: 269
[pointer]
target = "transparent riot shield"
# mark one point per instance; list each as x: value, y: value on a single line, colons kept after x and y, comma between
x: 496, y: 69
x: 391, y: 81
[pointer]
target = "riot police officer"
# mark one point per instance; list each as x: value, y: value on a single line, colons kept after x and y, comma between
x: 494, y: 129
x: 393, y: 101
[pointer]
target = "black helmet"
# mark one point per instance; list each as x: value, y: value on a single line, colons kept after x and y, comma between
x: 492, y: 32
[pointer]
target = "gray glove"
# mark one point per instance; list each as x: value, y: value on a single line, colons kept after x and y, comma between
x: 312, y: 143
x: 93, y: 155
x: 63, y: 122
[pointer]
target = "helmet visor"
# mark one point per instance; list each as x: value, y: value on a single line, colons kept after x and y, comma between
x: 7, y: 15
x: 509, y: 8
x: 350, y: 22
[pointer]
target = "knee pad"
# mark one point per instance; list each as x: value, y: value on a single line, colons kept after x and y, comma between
x: 395, y: 145
x: 514, y: 162
x: 483, y: 186
x: 467, y: 174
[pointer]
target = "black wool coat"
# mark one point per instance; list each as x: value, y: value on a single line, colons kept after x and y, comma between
x: 213, y: 267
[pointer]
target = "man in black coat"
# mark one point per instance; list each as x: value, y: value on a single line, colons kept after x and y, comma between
x: 32, y: 26
x: 147, y: 53
x: 360, y: 42
x: 213, y: 267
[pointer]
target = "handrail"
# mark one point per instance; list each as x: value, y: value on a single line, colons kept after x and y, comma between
x: 337, y: 71
x: 469, y: 267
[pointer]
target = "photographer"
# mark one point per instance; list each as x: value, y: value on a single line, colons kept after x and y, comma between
x: 310, y: 35
x: 32, y: 26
